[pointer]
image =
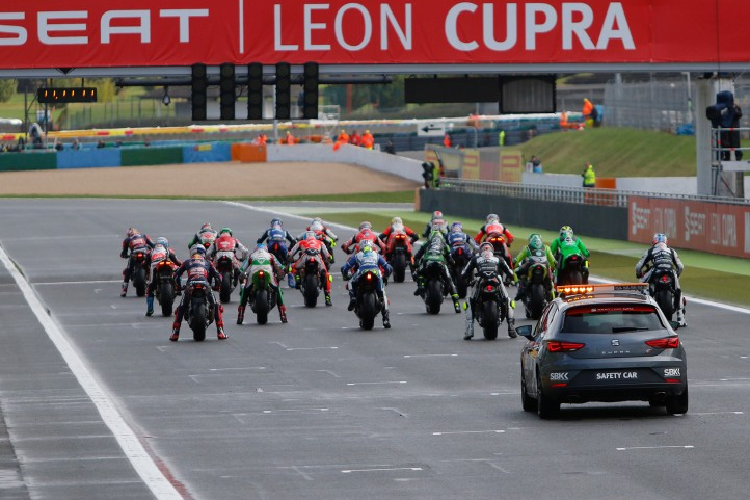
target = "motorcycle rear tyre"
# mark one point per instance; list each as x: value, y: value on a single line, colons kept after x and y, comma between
x: 399, y: 267
x: 261, y: 306
x: 198, y: 322
x: 139, y: 281
x: 433, y: 297
x: 310, y: 292
x: 225, y: 294
x: 368, y: 311
x: 490, y: 322
x: 536, y: 302
x: 665, y: 299
x: 166, y: 298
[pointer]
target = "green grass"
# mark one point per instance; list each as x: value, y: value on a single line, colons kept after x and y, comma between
x: 614, y: 152
x: 374, y: 197
x: 705, y: 276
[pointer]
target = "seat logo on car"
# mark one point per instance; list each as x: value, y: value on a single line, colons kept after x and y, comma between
x: 615, y: 342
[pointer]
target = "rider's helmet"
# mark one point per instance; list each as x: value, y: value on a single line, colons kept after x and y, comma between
x: 365, y: 224
x: 310, y: 235
x: 316, y: 226
x: 437, y: 214
x: 260, y: 247
x: 317, y: 219
x: 161, y: 240
x: 397, y: 220
x: 486, y: 247
x: 535, y: 241
x: 365, y: 243
x: 225, y: 230
x: 277, y: 222
x: 197, y: 249
x: 456, y: 227
x: 659, y: 238
x: 367, y: 250
x: 492, y: 217
x: 132, y: 231
x: 207, y: 226
x: 566, y: 231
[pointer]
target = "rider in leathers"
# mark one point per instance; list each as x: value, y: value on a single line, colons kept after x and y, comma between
x: 261, y: 260
x: 437, y: 223
x: 161, y: 248
x: 135, y: 242
x: 486, y: 261
x: 661, y: 256
x: 535, y: 248
x: 226, y: 242
x: 199, y: 269
x: 312, y: 248
x: 365, y: 232
x: 197, y: 238
x: 367, y: 260
x: 277, y: 234
x: 435, y: 249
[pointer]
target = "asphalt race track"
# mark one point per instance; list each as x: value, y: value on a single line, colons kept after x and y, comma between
x: 314, y: 409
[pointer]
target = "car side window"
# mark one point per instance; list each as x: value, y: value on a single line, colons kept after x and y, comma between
x: 541, y: 325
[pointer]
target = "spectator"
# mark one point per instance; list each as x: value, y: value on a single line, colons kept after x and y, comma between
x: 118, y: 143
x: 146, y: 142
x: 447, y: 140
x: 36, y: 134
x: 534, y: 165
x: 589, y: 176
x: 368, y: 141
x: 588, y: 110
x: 289, y: 138
x: 101, y: 144
x: 343, y: 136
x: 502, y: 138
x: 76, y: 145
x: 4, y: 148
x: 58, y: 145
x: 390, y: 148
x: 355, y: 139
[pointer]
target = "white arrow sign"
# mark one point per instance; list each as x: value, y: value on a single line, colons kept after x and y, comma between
x: 431, y: 129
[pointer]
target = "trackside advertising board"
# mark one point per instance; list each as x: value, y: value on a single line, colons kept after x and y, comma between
x: 722, y: 229
x: 96, y: 33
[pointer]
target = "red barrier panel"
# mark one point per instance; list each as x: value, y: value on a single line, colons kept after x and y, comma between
x: 721, y: 229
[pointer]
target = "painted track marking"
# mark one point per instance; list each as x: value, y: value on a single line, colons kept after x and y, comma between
x: 142, y: 462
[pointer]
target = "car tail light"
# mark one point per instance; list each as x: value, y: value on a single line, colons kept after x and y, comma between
x: 672, y: 380
x: 665, y: 343
x: 559, y: 346
x: 557, y: 386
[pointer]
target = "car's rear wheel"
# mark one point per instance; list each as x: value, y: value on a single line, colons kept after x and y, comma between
x: 529, y: 403
x: 678, y: 405
x: 546, y: 407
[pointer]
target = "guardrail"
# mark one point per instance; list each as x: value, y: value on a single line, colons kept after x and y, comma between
x: 589, y: 196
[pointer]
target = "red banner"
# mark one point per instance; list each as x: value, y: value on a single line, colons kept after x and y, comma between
x: 87, y: 33
x: 722, y: 229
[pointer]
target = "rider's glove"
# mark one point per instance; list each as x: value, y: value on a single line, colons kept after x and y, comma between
x: 124, y: 254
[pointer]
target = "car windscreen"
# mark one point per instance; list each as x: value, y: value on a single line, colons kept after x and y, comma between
x: 614, y: 318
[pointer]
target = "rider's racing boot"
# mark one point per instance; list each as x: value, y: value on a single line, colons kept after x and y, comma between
x: 456, y: 305
x: 386, y: 318
x: 521, y: 292
x: 124, y: 289
x: 175, y: 333
x: 469, y: 333
x: 282, y: 314
x: 240, y: 314
x: 681, y: 317
x: 328, y: 299
x: 220, y: 333
x: 512, y: 328
x: 149, y: 306
x: 290, y: 280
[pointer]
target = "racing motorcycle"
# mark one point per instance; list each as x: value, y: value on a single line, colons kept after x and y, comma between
x: 368, y: 304
x: 435, y: 289
x: 225, y: 264
x: 139, y: 258
x: 573, y: 268
x: 398, y: 253
x: 199, y: 313
x: 662, y: 289
x: 207, y: 239
x: 310, y: 283
x: 259, y: 295
x: 461, y: 254
x: 279, y: 248
x: 163, y: 271
x: 491, y: 307
x: 535, y: 298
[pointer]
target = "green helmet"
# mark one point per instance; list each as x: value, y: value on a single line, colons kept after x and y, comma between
x: 566, y: 231
x: 535, y: 241
x: 226, y: 230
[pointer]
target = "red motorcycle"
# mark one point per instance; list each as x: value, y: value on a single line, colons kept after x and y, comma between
x: 500, y: 248
x: 398, y: 253
x: 163, y: 270
x: 140, y: 258
x: 225, y: 263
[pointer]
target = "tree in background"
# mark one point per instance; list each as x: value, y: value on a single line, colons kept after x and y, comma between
x: 8, y: 89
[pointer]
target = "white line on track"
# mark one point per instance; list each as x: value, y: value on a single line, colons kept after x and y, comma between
x: 379, y: 383
x: 142, y: 462
x: 48, y: 283
x: 442, y: 433
x: 719, y: 413
x: 432, y: 356
x: 308, y: 348
x: 378, y: 470
x: 653, y: 447
x: 268, y: 412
